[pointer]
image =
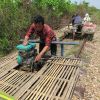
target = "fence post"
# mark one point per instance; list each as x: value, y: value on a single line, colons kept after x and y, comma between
x: 62, y: 49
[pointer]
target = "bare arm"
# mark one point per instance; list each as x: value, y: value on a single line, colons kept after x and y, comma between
x: 45, y: 49
x: 39, y: 56
x: 25, y: 42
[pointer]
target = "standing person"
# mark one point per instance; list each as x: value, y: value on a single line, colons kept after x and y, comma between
x: 46, y: 35
x: 77, y: 24
x: 73, y: 18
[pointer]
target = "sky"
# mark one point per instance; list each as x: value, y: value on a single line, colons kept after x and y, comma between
x: 95, y: 3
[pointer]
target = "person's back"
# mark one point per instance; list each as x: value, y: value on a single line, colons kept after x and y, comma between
x: 77, y: 19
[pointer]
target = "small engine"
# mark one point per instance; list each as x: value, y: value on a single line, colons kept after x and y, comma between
x: 26, y: 56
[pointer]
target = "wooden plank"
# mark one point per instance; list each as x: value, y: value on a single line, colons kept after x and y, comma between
x: 37, y: 83
x: 72, y: 90
x: 7, y: 59
x: 6, y: 63
x: 26, y: 86
x: 42, y: 83
x: 12, y: 88
x: 69, y: 86
x: 66, y: 80
x: 6, y: 75
x: 9, y: 76
x: 57, y: 87
x: 47, y: 93
x: 34, y: 86
x: 46, y: 82
x: 72, y: 83
x: 7, y: 68
x: 37, y: 96
x: 20, y: 84
x: 10, y: 81
x: 55, y: 81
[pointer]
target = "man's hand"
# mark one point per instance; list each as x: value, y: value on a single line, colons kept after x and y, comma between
x: 25, y: 42
x: 38, y: 57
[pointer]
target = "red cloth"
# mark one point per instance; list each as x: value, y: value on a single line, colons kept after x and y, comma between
x: 46, y: 34
x: 89, y: 26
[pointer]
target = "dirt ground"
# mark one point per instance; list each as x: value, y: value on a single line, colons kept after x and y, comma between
x: 88, y: 86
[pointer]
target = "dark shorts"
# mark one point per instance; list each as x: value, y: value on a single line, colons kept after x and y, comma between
x: 53, y: 47
x: 77, y: 28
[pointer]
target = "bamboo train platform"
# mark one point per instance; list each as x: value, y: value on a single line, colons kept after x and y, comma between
x: 54, y: 81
